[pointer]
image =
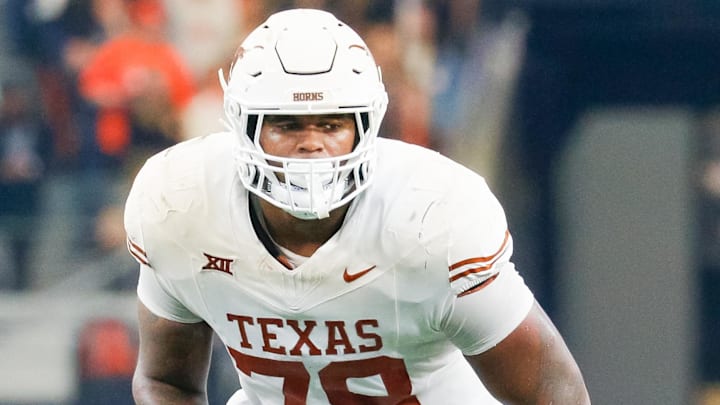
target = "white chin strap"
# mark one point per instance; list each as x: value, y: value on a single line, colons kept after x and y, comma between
x: 309, y: 187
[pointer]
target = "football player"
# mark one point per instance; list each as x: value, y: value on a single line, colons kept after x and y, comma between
x: 336, y: 267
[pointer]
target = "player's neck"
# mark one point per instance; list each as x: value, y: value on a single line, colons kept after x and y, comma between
x: 303, y: 237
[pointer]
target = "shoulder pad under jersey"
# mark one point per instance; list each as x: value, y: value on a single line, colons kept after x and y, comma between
x: 432, y: 201
x: 172, y: 188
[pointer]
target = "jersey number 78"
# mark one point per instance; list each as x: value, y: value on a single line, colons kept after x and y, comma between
x: 333, y: 378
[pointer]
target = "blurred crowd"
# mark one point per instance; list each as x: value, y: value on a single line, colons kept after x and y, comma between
x: 97, y: 86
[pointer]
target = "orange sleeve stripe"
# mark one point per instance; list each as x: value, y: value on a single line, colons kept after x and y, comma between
x: 137, y: 252
x: 479, y: 286
x: 136, y: 247
x: 139, y: 259
x: 472, y: 271
x: 492, y: 257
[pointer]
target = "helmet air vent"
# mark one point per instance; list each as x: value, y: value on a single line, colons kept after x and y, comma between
x: 298, y: 58
x: 359, y: 58
x: 252, y: 60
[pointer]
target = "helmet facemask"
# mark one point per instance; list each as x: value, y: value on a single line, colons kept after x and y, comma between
x: 306, y: 188
x: 270, y: 77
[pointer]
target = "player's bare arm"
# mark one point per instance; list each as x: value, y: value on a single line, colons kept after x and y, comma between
x: 173, y: 361
x: 532, y: 366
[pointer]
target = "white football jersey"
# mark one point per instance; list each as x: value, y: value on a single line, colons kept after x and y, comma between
x: 382, y: 313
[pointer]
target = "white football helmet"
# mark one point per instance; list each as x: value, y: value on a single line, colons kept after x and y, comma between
x: 300, y: 62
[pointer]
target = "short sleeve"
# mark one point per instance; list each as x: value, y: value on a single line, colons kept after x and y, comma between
x: 479, y: 240
x: 487, y: 299
x: 480, y: 320
x: 142, y: 210
x: 156, y: 296
x: 138, y: 206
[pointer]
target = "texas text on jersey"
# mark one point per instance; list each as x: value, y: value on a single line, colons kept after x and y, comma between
x: 418, y: 275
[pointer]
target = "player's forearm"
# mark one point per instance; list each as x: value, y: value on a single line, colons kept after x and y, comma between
x: 563, y: 388
x: 556, y: 380
x: 148, y: 391
x: 570, y: 391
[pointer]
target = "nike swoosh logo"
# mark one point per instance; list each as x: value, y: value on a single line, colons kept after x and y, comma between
x: 349, y: 278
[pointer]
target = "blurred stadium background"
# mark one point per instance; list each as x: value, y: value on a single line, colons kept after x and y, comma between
x: 597, y: 122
